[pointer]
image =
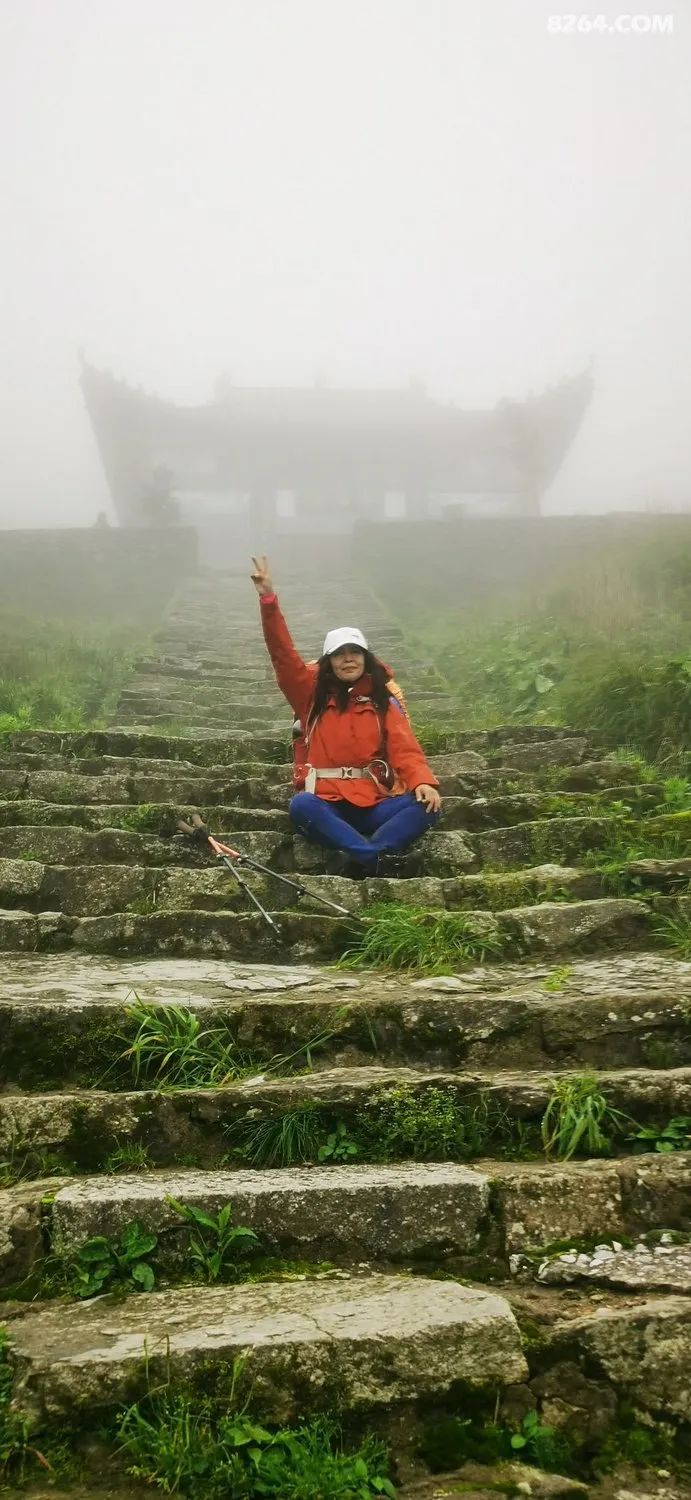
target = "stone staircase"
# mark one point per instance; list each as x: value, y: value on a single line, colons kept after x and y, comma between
x: 442, y: 1276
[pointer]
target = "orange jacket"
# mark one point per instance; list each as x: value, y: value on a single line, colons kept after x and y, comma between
x: 352, y: 738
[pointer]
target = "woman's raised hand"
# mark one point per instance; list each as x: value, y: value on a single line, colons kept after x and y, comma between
x: 261, y: 577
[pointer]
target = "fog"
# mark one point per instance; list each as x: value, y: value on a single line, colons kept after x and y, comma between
x: 366, y: 192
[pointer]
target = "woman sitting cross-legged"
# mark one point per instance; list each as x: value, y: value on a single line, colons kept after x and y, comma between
x: 366, y: 789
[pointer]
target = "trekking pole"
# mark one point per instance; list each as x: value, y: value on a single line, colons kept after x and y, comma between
x: 198, y: 830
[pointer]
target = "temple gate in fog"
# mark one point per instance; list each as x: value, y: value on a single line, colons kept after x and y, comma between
x: 255, y: 464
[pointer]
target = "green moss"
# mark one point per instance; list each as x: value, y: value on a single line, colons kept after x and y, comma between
x: 658, y: 1053
x: 90, y: 1143
x: 504, y: 891
x: 36, y: 1055
x: 645, y: 1444
x: 584, y: 1245
x: 454, y: 1441
x: 534, y: 1338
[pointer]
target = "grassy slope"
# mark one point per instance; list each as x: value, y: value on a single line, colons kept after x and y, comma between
x: 608, y: 647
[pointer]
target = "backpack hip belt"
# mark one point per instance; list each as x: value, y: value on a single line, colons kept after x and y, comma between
x: 347, y: 773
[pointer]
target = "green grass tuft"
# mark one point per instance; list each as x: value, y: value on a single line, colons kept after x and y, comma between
x: 291, y: 1138
x: 674, y: 931
x: 204, y: 1451
x: 172, y: 1049
x: 429, y: 942
x: 579, y: 1118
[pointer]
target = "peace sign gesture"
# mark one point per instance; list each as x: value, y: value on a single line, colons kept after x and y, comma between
x: 261, y: 577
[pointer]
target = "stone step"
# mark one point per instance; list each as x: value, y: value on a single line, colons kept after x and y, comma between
x: 655, y: 1268
x: 537, y: 1205
x: 202, y: 751
x: 19, y: 770
x: 463, y: 773
x: 442, y: 852
x: 113, y: 742
x: 468, y: 814
x: 497, y: 1215
x: 159, y: 819
x: 177, y: 668
x: 437, y: 853
x: 97, y: 890
x: 534, y: 754
x: 253, y: 698
x: 239, y: 703
x: 176, y: 719
x: 359, y: 1344
x: 64, y: 1018
x: 566, y: 840
x: 85, y: 1127
x: 416, y: 1211
x: 554, y: 928
x: 476, y: 814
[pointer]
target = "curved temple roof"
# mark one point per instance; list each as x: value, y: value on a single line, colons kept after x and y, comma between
x: 267, y: 439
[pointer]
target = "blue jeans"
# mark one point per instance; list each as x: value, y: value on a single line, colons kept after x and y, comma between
x: 362, y: 832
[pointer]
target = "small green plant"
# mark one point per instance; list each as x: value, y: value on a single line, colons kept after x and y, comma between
x: 676, y: 793
x: 674, y: 1136
x: 288, y: 1139
x: 393, y: 936
x: 646, y: 1447
x: 674, y: 931
x: 436, y: 739
x: 579, y: 1117
x: 128, y: 1156
x: 201, y: 1449
x: 542, y: 1445
x: 636, y: 843
x: 13, y: 1430
x: 572, y: 805
x: 24, y: 1163
x: 430, y: 1124
x: 640, y: 767
x: 338, y: 1146
x: 102, y: 1264
x: 555, y: 982
x: 145, y: 817
x: 553, y: 892
x: 218, y: 1248
x: 171, y: 1049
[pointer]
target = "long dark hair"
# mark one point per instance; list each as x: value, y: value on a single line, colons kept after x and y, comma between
x: 328, y: 685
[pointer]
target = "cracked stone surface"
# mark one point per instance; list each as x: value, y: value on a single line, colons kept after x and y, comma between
x: 81, y: 979
x: 378, y: 1340
x: 644, y: 1351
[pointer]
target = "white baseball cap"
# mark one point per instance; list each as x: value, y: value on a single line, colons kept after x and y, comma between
x: 345, y: 635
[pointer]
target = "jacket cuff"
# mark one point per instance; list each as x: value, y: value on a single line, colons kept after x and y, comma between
x: 267, y: 598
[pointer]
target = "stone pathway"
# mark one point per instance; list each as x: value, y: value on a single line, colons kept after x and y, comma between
x: 103, y: 904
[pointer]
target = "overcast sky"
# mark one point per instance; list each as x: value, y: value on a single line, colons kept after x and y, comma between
x: 372, y: 190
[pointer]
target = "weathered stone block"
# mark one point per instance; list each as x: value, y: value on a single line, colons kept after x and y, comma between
x: 540, y: 1205
x: 383, y: 1211
x: 555, y: 926
x: 361, y: 1343
x: 643, y: 1351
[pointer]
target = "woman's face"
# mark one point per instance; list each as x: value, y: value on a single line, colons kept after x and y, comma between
x: 348, y: 664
